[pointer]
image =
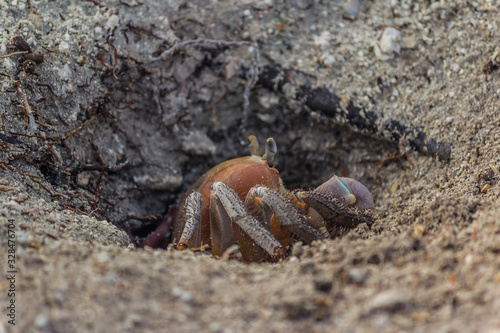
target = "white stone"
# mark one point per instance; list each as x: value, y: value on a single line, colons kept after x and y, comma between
x: 351, y: 7
x: 323, y: 40
x: 112, y: 22
x: 65, y: 73
x: 8, y: 64
x: 63, y: 47
x: 389, y: 43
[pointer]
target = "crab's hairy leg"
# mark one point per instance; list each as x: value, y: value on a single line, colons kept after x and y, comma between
x: 254, y: 145
x: 286, y: 215
x: 248, y: 248
x: 333, y: 210
x: 236, y: 211
x: 221, y: 228
x: 192, y: 224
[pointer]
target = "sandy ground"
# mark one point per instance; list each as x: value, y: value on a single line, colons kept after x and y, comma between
x: 119, y: 137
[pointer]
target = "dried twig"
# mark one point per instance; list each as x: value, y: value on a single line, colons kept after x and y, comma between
x: 26, y: 105
x: 49, y: 50
x: 32, y: 9
x: 74, y: 209
x: 35, y: 178
x: 132, y: 143
x: 254, y: 71
x: 198, y: 42
x: 103, y: 62
x: 2, y: 118
x: 13, y: 54
x: 98, y: 4
x: 6, y: 189
x: 73, y: 131
x: 104, y: 168
x: 115, y: 61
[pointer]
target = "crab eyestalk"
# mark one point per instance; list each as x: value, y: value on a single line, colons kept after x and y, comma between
x: 271, y: 150
x: 254, y: 145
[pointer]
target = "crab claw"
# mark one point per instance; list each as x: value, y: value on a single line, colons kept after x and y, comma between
x: 340, y: 201
x: 348, y: 191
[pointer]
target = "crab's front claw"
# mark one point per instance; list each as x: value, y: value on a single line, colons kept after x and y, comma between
x: 341, y: 201
x: 348, y: 191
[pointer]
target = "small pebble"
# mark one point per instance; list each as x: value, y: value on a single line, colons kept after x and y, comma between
x: 351, y: 8
x: 358, y: 275
x: 390, y: 301
x: 297, y: 249
x: 41, y: 321
x: 64, y: 47
x: 418, y: 230
x: 198, y: 143
x: 307, y: 266
x: 389, y: 44
x: 323, y: 284
x: 65, y: 73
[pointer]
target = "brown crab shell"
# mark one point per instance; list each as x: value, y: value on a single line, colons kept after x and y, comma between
x: 241, y: 174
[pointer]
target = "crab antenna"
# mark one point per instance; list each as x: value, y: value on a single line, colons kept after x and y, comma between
x: 254, y: 145
x: 271, y: 150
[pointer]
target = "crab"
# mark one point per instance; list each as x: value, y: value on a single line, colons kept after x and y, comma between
x: 243, y: 202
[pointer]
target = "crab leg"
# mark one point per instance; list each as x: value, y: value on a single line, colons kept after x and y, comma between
x: 332, y: 209
x: 230, y: 206
x: 193, y: 217
x: 221, y: 228
x: 286, y: 214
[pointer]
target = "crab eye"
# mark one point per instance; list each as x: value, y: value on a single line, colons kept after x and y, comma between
x: 342, y: 180
x: 345, y: 190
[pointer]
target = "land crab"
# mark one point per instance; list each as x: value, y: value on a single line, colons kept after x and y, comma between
x: 243, y: 201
